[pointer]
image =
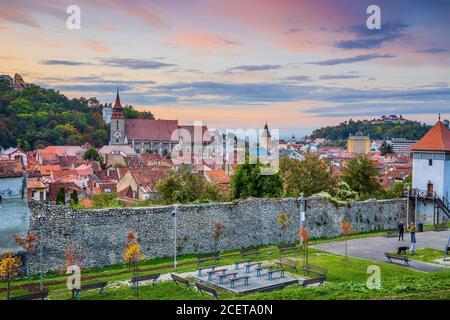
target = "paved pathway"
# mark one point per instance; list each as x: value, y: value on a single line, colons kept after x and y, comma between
x: 374, y: 248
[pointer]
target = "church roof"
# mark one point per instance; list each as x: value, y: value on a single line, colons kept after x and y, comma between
x: 436, y: 139
x: 117, y: 104
x: 156, y: 130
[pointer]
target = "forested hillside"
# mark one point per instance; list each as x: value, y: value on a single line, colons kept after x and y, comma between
x: 36, y: 117
x: 409, y: 130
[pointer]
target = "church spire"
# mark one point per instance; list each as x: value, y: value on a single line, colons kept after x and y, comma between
x: 117, y: 104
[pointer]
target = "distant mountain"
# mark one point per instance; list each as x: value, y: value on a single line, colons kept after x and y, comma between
x: 376, y: 129
x: 34, y: 117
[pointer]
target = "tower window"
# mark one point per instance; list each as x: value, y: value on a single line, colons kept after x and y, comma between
x: 117, y: 140
x: 430, y: 162
x: 117, y: 124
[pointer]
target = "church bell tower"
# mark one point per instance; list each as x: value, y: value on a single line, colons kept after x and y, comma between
x: 117, y: 123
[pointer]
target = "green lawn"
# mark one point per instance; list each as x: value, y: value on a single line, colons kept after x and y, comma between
x: 346, y: 279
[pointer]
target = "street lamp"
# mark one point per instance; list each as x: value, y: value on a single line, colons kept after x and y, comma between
x: 174, y: 216
x: 301, y: 199
x: 41, y: 219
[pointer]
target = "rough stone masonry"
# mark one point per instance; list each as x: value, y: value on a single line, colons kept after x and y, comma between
x: 100, y: 234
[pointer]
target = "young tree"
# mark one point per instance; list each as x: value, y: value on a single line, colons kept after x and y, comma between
x: 61, y: 196
x: 284, y: 220
x: 93, y: 155
x: 248, y: 182
x: 28, y: 244
x: 218, y: 230
x: 132, y: 256
x: 310, y: 176
x: 304, y: 239
x: 347, y: 229
x: 9, y: 268
x: 361, y: 175
x: 74, y: 197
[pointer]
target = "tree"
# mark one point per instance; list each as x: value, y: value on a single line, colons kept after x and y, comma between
x: 74, y: 197
x: 304, y: 239
x: 217, y: 233
x: 28, y: 244
x: 361, y: 175
x: 92, y: 155
x: 248, y: 182
x: 386, y: 148
x: 284, y: 220
x: 61, y: 196
x: 106, y: 200
x: 9, y: 268
x: 182, y: 186
x: 347, y: 229
x: 310, y: 176
x: 132, y: 256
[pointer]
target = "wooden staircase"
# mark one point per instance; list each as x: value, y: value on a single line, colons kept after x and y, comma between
x: 441, y: 205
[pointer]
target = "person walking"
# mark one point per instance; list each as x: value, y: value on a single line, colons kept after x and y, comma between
x: 401, y: 230
x: 412, y: 231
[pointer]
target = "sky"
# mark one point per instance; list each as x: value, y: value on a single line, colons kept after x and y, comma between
x: 295, y: 64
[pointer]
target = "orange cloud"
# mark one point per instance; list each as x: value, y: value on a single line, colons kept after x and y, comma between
x: 97, y: 47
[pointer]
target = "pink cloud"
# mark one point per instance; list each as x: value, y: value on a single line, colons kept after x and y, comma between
x: 196, y: 39
x: 96, y: 47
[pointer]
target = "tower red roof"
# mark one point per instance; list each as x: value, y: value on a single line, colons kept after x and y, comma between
x: 436, y: 139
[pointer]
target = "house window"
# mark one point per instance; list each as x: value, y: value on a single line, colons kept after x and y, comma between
x: 430, y: 162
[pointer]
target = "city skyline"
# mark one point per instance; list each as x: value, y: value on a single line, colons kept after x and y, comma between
x: 299, y: 65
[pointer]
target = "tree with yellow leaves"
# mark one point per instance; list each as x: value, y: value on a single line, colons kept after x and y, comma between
x: 132, y: 256
x: 9, y: 268
x: 284, y: 220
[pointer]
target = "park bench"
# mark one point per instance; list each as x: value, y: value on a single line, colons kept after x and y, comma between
x: 250, y: 252
x: 39, y: 295
x: 234, y: 280
x: 259, y: 269
x: 311, y: 268
x: 271, y: 272
x: 199, y: 270
x: 206, y: 259
x: 391, y: 256
x: 226, y: 275
x: 177, y: 279
x: 151, y: 277
x: 288, y: 264
x: 88, y: 287
x: 278, y: 286
x: 213, y: 272
x: 308, y: 282
x: 287, y: 247
x: 237, y: 263
x: 249, y: 265
x: 202, y: 288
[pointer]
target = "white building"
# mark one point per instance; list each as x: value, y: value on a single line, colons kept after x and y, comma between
x: 431, y: 174
x: 401, y: 146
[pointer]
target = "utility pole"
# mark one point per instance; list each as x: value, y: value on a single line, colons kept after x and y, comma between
x: 174, y: 215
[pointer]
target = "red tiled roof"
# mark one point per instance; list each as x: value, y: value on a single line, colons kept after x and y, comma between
x: 193, y: 134
x: 218, y: 176
x: 436, y: 139
x: 147, y: 178
x: 156, y: 130
x: 10, y: 168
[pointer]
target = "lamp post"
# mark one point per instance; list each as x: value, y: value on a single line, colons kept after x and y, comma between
x: 301, y: 199
x: 174, y: 215
x: 41, y: 218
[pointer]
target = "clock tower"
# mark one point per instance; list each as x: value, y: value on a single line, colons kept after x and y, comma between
x: 117, y: 123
